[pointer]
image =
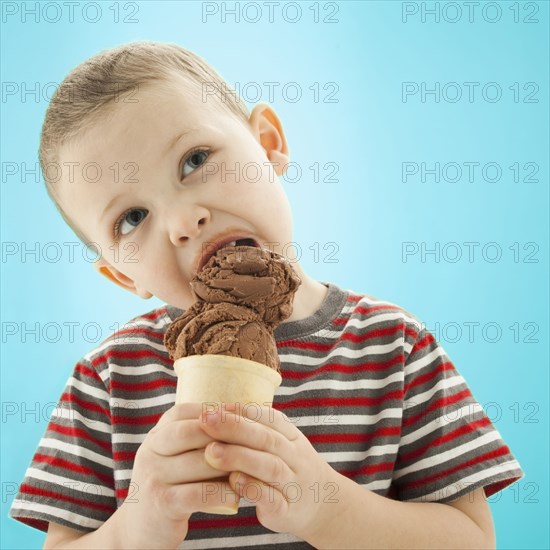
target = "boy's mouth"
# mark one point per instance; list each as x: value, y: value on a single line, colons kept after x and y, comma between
x: 211, y: 248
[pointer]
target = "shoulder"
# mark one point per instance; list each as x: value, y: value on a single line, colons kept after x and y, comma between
x: 382, y: 320
x: 139, y: 340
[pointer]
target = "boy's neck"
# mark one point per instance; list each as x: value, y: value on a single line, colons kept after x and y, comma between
x: 308, y: 297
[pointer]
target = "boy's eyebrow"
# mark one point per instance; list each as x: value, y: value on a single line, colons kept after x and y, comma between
x: 171, y: 145
x: 108, y: 207
x: 175, y: 140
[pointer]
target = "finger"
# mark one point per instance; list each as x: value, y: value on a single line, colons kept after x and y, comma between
x: 263, y: 414
x: 232, y: 428
x: 205, y: 496
x: 177, y: 437
x: 267, y: 467
x: 186, y: 468
x: 180, y: 411
x: 271, y: 504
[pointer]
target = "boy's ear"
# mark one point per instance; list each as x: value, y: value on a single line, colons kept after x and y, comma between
x: 268, y: 130
x: 114, y: 275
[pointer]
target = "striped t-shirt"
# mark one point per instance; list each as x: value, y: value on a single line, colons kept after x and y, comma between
x: 363, y: 379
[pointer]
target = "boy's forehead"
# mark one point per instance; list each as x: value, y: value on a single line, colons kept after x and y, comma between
x: 152, y: 118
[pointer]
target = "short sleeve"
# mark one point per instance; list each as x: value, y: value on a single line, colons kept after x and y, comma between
x: 448, y: 445
x: 70, y: 478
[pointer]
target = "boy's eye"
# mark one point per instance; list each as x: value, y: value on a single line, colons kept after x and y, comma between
x: 130, y: 219
x: 194, y: 160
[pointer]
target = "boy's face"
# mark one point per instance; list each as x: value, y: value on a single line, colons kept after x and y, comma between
x: 174, y: 197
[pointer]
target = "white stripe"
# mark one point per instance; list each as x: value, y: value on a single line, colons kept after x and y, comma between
x: 88, y: 389
x: 359, y: 420
x: 467, y: 482
x: 141, y: 370
x: 77, y: 451
x: 122, y: 475
x: 343, y: 385
x: 424, y: 398
x: 360, y: 456
x: 361, y: 324
x: 140, y: 404
x: 125, y: 340
x: 471, y: 411
x: 437, y: 462
x: 232, y: 542
x: 72, y: 484
x: 72, y: 415
x: 414, y: 366
x: 22, y: 506
x: 119, y: 438
x: 355, y: 354
x: 382, y: 317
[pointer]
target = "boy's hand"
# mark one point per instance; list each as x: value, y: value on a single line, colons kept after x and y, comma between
x: 272, y: 464
x: 168, y: 469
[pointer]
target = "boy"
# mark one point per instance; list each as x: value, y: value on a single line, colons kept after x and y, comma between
x: 358, y: 452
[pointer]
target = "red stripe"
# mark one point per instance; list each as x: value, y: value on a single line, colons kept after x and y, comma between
x: 421, y: 344
x: 78, y: 433
x: 87, y: 371
x: 121, y: 456
x: 88, y: 405
x: 462, y: 430
x: 340, y: 320
x: 130, y: 355
x: 368, y: 469
x: 221, y: 523
x: 316, y: 402
x: 139, y: 421
x: 426, y: 377
x: 491, y: 455
x: 68, y: 465
x: 365, y: 437
x: 154, y: 315
x: 346, y: 369
x: 305, y: 345
x: 366, y: 310
x: 142, y: 386
x: 435, y: 405
x: 88, y: 503
x: 355, y: 338
x: 136, y: 330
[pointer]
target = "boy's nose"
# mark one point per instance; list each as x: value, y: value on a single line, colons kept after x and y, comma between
x: 188, y: 226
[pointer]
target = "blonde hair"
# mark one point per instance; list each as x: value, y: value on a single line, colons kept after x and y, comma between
x: 88, y: 93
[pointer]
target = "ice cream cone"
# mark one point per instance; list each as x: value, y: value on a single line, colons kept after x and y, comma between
x: 214, y: 379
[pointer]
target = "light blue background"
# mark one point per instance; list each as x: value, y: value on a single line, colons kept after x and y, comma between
x: 369, y: 212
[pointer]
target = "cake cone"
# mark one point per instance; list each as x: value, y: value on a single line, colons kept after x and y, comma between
x: 214, y: 379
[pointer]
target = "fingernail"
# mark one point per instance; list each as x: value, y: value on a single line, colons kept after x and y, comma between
x: 239, y: 481
x: 216, y: 450
x: 211, y: 417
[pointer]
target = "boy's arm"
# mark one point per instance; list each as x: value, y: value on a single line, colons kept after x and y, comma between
x: 363, y: 519
x: 107, y: 536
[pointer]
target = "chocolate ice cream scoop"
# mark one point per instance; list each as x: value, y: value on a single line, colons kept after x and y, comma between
x: 254, y: 277
x: 243, y: 293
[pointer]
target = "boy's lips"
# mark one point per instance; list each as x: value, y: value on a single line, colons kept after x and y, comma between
x: 211, y: 246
